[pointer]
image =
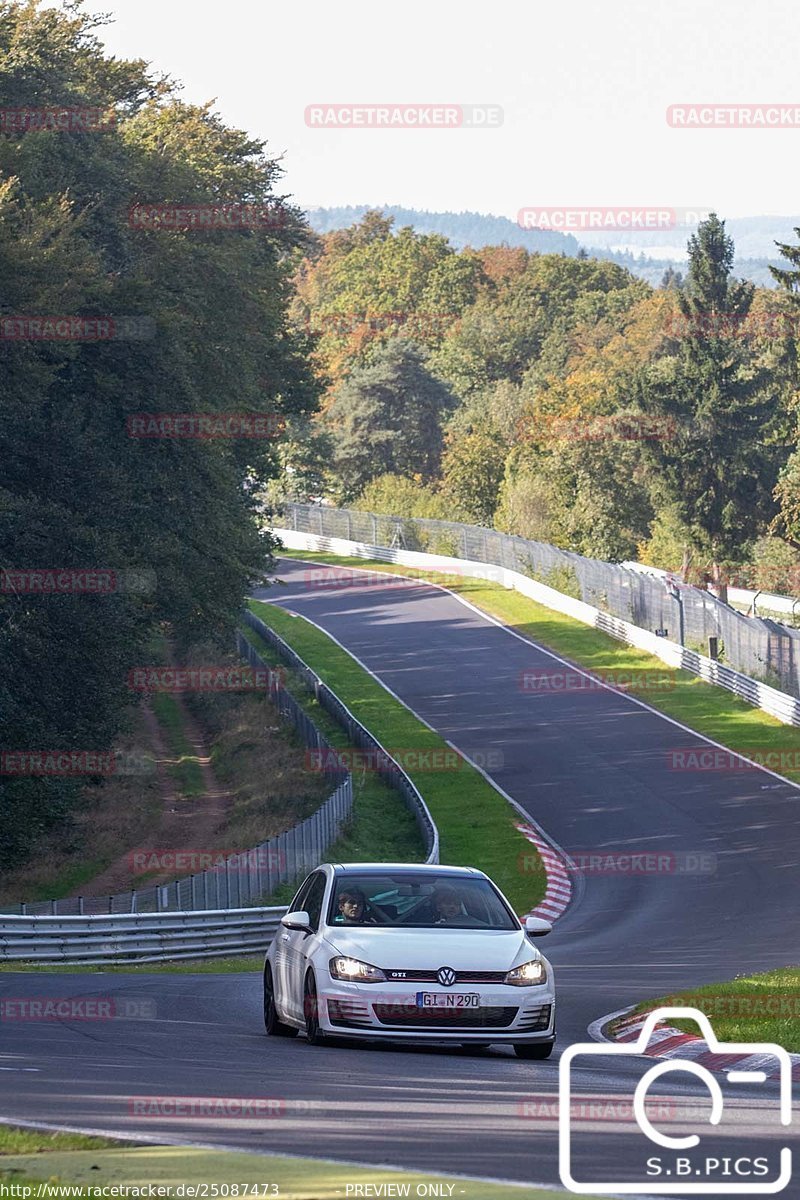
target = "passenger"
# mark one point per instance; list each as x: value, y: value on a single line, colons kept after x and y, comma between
x: 448, y: 909
x: 353, y: 910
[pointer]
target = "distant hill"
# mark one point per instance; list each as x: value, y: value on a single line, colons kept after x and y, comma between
x: 754, y: 238
x: 461, y: 229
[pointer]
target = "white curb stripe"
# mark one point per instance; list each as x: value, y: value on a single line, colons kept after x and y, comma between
x: 558, y: 893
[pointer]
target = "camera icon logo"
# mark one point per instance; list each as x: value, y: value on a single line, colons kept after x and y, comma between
x: 687, y: 1175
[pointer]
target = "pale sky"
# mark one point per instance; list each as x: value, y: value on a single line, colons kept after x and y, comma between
x: 584, y: 87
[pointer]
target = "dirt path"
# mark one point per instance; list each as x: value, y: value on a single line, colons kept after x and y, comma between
x: 192, y: 823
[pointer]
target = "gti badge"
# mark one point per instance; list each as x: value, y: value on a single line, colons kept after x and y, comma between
x: 446, y: 976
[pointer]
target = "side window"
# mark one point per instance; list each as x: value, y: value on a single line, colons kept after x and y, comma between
x: 299, y: 902
x: 313, y: 900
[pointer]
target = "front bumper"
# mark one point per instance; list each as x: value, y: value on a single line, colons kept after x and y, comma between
x: 504, y: 1013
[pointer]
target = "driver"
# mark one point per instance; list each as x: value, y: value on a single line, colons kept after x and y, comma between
x: 352, y: 908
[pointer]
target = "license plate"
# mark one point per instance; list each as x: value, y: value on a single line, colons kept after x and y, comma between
x: 448, y: 1000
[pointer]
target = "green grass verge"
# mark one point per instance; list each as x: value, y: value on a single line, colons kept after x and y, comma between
x: 707, y: 709
x: 381, y: 829
x: 185, y: 770
x: 181, y: 966
x: 266, y: 1174
x: 753, y: 1008
x: 15, y: 1140
x: 476, y: 824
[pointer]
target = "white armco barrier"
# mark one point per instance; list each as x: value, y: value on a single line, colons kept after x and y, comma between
x: 778, y: 704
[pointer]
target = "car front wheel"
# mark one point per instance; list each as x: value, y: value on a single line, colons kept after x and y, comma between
x: 273, y: 1026
x: 534, y: 1049
x: 315, y: 1035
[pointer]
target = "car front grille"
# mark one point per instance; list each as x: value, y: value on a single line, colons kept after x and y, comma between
x: 400, y: 976
x: 410, y: 1016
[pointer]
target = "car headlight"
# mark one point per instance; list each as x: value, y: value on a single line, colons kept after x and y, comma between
x: 355, y: 971
x: 527, y: 974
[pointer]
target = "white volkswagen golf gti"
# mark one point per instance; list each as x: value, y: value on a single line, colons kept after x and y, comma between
x: 418, y: 953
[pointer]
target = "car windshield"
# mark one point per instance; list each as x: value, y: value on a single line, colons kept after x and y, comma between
x: 426, y: 901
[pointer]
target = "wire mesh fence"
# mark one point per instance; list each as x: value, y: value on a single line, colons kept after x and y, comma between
x: 761, y: 648
x: 244, y: 878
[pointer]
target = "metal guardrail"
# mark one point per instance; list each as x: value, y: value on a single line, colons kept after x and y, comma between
x: 138, y: 937
x: 386, y: 766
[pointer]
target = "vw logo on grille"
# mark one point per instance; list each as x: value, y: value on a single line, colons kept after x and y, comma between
x: 446, y: 976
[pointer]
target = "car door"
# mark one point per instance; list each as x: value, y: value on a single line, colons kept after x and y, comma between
x: 300, y: 944
x: 282, y: 958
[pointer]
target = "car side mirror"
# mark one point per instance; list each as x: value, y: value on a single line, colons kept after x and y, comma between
x: 536, y: 927
x: 297, y: 920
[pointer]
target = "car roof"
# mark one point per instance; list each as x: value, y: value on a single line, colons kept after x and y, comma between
x: 416, y: 868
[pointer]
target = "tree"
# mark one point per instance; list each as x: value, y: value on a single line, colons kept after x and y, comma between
x: 472, y: 471
x: 671, y: 279
x: 787, y: 492
x: 398, y: 496
x: 78, y: 491
x: 386, y: 418
x: 370, y: 283
x: 716, y: 460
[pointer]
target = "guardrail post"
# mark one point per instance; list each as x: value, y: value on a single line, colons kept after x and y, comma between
x: 80, y: 906
x: 194, y: 891
x: 266, y: 887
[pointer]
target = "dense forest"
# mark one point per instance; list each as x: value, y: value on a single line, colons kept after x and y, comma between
x: 560, y: 398
x: 175, y: 321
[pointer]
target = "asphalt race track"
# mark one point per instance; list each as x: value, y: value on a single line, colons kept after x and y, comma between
x: 593, y: 768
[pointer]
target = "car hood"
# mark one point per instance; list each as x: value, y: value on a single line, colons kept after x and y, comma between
x: 429, y: 949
